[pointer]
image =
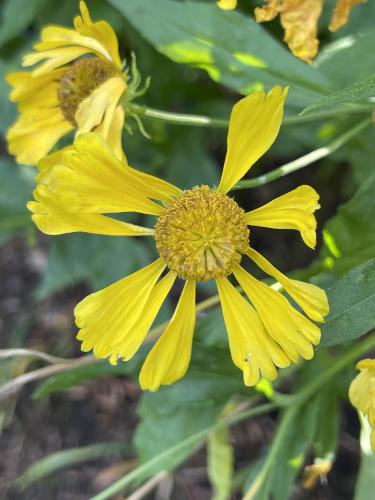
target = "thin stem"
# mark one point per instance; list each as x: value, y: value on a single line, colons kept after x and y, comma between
x: 191, y: 442
x: 177, y: 118
x: 206, y: 121
x: 305, y: 160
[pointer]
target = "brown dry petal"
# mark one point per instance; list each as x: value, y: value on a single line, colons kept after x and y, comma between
x: 341, y: 13
x: 299, y: 18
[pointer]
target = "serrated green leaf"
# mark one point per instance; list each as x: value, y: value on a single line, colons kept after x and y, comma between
x: 220, y: 463
x: 357, y: 91
x: 352, y: 306
x: 231, y: 47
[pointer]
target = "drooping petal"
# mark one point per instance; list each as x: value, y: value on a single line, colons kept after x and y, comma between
x: 111, y: 130
x: 130, y: 343
x: 51, y: 218
x: 254, y: 124
x: 91, y: 179
x: 299, y: 18
x: 293, y: 210
x: 106, y: 317
x: 169, y: 359
x: 46, y: 164
x: 292, y: 331
x: 251, y: 347
x: 341, y: 13
x: 101, y: 102
x: 35, y: 133
x: 98, y: 38
x: 312, y: 299
x: 54, y: 58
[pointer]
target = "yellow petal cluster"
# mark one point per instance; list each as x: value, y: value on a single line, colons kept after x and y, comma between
x: 77, y: 84
x: 362, y: 393
x: 201, y: 234
x: 299, y: 18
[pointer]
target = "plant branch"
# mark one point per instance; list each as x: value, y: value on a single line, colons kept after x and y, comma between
x: 304, y: 160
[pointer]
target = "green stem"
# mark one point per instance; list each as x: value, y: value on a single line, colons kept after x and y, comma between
x: 305, y: 160
x: 177, y: 118
x: 205, y: 121
x: 146, y: 469
x: 294, y: 403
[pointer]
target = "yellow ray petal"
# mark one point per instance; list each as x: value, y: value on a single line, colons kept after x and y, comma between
x: 111, y: 130
x: 31, y: 91
x: 51, y: 218
x: 46, y: 164
x: 341, y: 13
x: 293, y: 210
x: 299, y: 18
x: 105, y: 317
x: 252, y: 349
x: 289, y: 328
x: 54, y: 58
x: 312, y: 299
x: 227, y: 4
x: 169, y: 359
x: 129, y: 344
x: 91, y: 179
x: 35, y: 133
x: 100, y: 31
x: 254, y: 124
x: 104, y: 99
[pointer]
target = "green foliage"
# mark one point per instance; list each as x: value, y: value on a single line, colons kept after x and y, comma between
x: 55, y: 462
x: 12, y: 23
x: 220, y: 463
x: 232, y: 48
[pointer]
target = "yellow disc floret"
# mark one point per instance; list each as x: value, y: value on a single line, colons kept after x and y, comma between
x: 80, y: 80
x: 202, y: 234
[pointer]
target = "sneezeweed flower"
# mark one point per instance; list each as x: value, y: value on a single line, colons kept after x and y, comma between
x: 362, y: 393
x: 299, y: 18
x: 200, y: 234
x: 78, y: 85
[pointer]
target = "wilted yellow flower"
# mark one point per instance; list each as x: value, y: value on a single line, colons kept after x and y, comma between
x: 68, y: 91
x: 362, y: 393
x: 200, y: 234
x: 316, y: 471
x: 299, y: 18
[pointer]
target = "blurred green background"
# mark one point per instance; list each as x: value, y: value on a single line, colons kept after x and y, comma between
x: 200, y: 60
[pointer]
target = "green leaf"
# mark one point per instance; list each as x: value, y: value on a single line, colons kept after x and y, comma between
x: 231, y: 47
x: 220, y: 463
x: 67, y: 458
x: 16, y: 186
x: 7, y: 108
x: 352, y: 230
x: 100, y: 260
x: 189, y: 405
x: 357, y: 91
x: 16, y: 16
x: 354, y: 51
x: 352, y: 306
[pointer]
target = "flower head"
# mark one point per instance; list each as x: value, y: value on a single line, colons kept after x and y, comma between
x: 362, y: 393
x: 77, y: 85
x: 200, y: 234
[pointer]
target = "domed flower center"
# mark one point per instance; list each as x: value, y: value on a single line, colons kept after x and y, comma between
x: 80, y: 80
x: 202, y: 234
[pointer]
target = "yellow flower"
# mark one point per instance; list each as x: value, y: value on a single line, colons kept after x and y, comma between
x: 67, y: 91
x: 227, y: 4
x: 362, y: 393
x: 200, y: 234
x: 316, y: 471
x: 299, y: 18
